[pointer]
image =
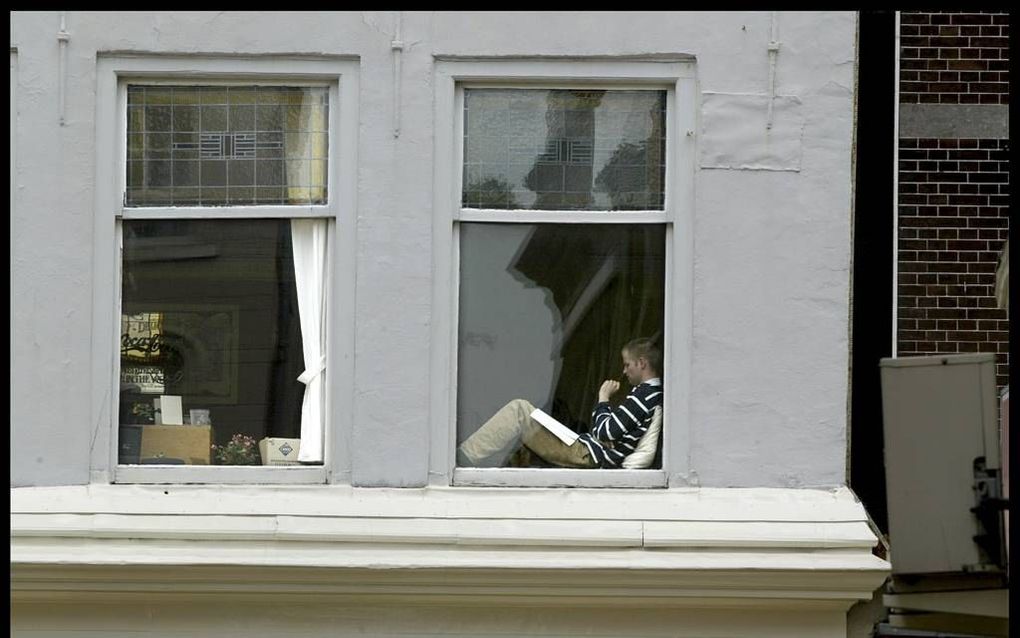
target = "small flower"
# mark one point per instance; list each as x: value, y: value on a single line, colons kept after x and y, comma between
x: 240, y: 450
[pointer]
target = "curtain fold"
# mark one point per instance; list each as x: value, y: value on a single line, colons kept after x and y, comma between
x: 309, y: 241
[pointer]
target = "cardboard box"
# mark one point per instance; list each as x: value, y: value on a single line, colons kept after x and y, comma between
x: 189, y: 443
x: 276, y: 451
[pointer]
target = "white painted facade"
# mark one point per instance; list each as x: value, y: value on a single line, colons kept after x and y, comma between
x: 748, y: 531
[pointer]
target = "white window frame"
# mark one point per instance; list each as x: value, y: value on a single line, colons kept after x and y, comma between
x: 114, y: 72
x: 676, y: 75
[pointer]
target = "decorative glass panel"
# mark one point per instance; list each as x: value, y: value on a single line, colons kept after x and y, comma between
x: 226, y: 145
x: 211, y: 344
x: 544, y: 312
x: 564, y: 149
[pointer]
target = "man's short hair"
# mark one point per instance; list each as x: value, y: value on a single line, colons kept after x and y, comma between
x: 646, y: 348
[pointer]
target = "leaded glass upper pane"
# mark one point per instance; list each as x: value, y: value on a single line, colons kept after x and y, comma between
x: 226, y: 145
x: 564, y: 149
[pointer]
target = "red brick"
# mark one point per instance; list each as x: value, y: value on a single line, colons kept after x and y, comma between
x: 987, y: 177
x: 978, y: 87
x: 945, y: 42
x: 912, y: 17
x: 967, y: 336
x: 945, y: 313
x: 965, y: 65
x: 968, y: 18
x: 968, y: 302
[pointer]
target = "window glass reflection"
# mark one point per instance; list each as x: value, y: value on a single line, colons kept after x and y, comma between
x: 226, y: 145
x: 564, y: 149
x: 210, y: 318
x: 544, y: 310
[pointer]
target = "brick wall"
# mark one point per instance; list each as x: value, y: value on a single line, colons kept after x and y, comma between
x: 953, y: 222
x: 953, y: 192
x: 954, y: 58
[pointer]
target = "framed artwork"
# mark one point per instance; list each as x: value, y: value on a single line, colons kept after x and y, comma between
x: 185, y: 349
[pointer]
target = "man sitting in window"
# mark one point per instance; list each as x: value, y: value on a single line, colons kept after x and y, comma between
x: 615, y: 432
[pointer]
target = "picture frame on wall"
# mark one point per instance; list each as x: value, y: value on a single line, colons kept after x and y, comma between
x: 186, y: 349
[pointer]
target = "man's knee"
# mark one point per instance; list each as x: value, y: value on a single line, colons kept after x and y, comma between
x: 520, y: 405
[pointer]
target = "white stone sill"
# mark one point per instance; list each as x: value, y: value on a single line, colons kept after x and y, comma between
x: 721, y: 520
x: 724, y: 544
x: 674, y: 504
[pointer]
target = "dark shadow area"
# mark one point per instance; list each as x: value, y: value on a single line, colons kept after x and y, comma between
x: 872, y: 251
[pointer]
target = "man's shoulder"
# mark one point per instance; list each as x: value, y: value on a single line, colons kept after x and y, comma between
x: 648, y: 391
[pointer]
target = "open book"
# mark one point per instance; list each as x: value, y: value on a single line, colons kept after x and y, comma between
x: 561, y: 431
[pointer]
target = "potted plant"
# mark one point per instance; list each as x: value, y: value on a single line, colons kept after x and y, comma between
x: 240, y: 450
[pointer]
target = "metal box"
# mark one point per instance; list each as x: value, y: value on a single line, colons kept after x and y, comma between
x: 939, y: 414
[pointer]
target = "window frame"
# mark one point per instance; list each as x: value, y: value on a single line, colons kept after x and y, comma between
x: 114, y: 73
x: 675, y: 74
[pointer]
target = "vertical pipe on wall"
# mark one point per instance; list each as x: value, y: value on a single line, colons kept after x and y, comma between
x: 397, y: 46
x: 773, y: 53
x: 896, y: 184
x: 62, y: 37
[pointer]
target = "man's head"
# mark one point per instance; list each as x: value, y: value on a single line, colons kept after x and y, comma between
x: 642, y: 360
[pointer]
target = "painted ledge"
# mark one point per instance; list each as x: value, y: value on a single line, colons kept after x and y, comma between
x: 730, y: 546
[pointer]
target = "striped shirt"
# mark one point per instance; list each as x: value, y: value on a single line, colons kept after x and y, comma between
x: 615, y: 432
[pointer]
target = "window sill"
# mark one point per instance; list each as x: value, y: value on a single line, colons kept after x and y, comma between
x: 732, y: 546
x: 227, y: 475
x: 557, y: 477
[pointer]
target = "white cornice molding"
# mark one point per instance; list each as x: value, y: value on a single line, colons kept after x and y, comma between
x: 691, y: 546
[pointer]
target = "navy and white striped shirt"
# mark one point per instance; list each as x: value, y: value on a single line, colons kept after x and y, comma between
x: 615, y: 432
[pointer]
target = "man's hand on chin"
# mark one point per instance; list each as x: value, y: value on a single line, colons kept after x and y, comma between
x: 609, y: 387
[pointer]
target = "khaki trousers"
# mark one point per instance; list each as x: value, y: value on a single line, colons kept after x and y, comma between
x: 500, y: 436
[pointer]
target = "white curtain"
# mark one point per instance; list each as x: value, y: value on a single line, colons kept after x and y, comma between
x: 305, y: 144
x: 309, y: 240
